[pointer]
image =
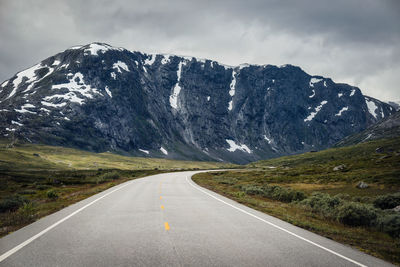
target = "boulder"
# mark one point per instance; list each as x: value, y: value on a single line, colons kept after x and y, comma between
x: 339, y: 167
x: 362, y: 185
x: 379, y: 150
x: 396, y: 209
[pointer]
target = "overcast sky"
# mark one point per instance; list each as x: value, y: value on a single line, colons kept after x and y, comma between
x: 351, y: 41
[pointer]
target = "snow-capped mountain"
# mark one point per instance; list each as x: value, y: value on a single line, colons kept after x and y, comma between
x: 98, y: 97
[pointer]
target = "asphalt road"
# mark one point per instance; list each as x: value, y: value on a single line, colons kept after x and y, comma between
x: 167, y: 220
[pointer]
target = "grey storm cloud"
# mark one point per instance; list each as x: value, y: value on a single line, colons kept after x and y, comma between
x: 352, y: 41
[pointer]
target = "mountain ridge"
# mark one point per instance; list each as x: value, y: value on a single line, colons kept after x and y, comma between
x: 99, y: 98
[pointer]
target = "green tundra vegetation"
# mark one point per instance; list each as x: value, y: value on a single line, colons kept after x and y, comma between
x: 37, y: 180
x: 348, y: 194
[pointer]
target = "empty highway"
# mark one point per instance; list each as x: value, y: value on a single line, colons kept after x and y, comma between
x: 167, y: 220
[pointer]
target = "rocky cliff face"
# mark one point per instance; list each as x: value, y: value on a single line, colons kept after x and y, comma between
x: 101, y: 98
x: 385, y: 129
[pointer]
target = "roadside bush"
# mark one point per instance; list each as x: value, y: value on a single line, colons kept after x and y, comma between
x: 27, y: 212
x: 252, y: 189
x: 390, y: 224
x: 111, y: 175
x: 322, y: 203
x: 356, y: 214
x: 287, y: 195
x: 298, y: 195
x: 12, y: 203
x: 274, y: 192
x: 52, y: 194
x: 388, y: 201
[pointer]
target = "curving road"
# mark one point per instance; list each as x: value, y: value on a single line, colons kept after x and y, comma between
x: 167, y: 220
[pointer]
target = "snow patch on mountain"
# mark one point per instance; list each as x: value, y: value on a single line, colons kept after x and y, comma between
x: 16, y: 123
x: 94, y: 49
x: 341, y: 111
x: 372, y: 107
x: 48, y: 104
x: 70, y: 96
x: 233, y: 84
x: 4, y: 84
x: 166, y: 59
x: 269, y: 140
x: 315, y: 112
x: 314, y: 81
x: 150, y: 61
x: 76, y: 84
x: 108, y: 91
x: 29, y: 74
x: 144, y: 151
x: 34, y: 82
x: 164, y: 151
x: 313, y: 94
x: 75, y: 47
x: 232, y: 87
x: 233, y: 147
x: 173, y: 98
x: 120, y: 65
x: 24, y: 109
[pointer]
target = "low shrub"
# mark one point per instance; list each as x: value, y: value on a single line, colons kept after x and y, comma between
x: 52, y: 194
x: 356, y: 214
x: 111, y: 175
x: 323, y: 204
x: 274, y: 192
x: 12, y: 203
x: 252, y: 189
x: 390, y: 224
x: 286, y: 195
x: 388, y: 201
x: 27, y: 211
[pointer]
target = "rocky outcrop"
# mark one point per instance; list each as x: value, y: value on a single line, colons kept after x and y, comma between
x: 387, y: 128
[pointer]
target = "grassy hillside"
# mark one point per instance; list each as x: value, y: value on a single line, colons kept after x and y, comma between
x: 37, y: 180
x: 308, y: 191
x: 41, y: 157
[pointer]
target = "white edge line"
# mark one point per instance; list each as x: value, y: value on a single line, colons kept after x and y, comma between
x: 26, y: 242
x: 276, y: 226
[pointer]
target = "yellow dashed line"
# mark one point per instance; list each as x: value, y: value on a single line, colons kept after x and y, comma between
x: 162, y: 207
x: 160, y: 197
x: 166, y: 226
